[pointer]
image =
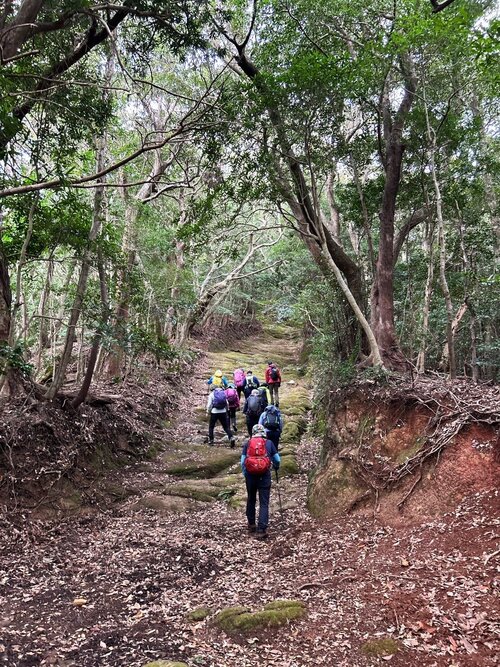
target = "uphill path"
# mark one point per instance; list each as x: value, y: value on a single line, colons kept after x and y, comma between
x: 119, y: 588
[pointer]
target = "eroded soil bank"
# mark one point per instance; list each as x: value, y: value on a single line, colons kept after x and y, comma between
x: 119, y: 587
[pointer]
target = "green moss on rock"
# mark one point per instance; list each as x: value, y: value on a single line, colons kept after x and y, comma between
x: 204, y: 494
x: 380, y: 647
x: 201, y: 462
x: 289, y: 465
x: 236, y: 620
x: 198, y: 614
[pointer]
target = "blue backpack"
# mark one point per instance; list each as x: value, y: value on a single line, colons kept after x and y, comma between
x: 271, y: 419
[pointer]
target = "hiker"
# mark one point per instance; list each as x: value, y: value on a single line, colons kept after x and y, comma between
x: 239, y: 381
x: 257, y: 457
x: 273, y: 379
x: 251, y: 382
x: 272, y: 421
x: 233, y: 401
x: 252, y: 409
x: 265, y: 395
x: 218, y: 380
x: 217, y: 408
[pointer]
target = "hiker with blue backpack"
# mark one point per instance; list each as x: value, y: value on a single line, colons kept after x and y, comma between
x: 239, y: 381
x: 258, y: 456
x: 217, y: 408
x: 253, y: 409
x: 272, y: 421
x: 251, y: 383
x: 233, y: 401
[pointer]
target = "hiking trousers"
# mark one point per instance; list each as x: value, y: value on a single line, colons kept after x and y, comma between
x: 251, y: 421
x: 273, y: 388
x: 223, y: 418
x: 261, y: 485
x: 274, y: 437
x: 232, y: 417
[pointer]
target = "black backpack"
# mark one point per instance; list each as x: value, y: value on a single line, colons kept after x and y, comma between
x: 254, y: 406
x: 274, y: 374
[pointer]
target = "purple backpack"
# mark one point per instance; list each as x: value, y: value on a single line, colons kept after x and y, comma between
x: 239, y: 377
x: 232, y: 397
x: 220, y: 400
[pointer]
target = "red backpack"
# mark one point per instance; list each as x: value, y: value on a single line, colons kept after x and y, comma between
x: 257, y: 461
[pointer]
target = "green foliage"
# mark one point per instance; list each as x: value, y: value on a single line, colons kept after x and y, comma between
x: 14, y: 357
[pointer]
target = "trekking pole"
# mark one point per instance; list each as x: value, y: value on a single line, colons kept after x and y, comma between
x: 279, y: 493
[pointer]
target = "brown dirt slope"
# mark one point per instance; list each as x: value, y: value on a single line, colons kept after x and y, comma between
x: 117, y: 587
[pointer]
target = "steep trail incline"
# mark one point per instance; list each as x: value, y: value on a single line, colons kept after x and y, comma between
x: 116, y: 588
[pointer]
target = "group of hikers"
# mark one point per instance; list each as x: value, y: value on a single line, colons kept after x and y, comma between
x: 264, y: 424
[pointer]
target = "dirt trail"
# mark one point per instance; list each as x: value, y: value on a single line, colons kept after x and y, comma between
x: 178, y: 542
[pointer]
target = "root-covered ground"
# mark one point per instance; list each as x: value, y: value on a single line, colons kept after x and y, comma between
x: 115, y: 587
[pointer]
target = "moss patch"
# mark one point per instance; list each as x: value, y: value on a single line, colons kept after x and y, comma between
x: 199, y: 462
x: 411, y: 451
x: 239, y: 620
x: 380, y: 647
x: 291, y: 433
x: 191, y: 492
x: 198, y: 614
x: 165, y: 504
x: 289, y: 465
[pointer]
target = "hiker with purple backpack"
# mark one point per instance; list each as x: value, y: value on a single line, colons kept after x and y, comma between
x: 233, y: 401
x: 217, y: 408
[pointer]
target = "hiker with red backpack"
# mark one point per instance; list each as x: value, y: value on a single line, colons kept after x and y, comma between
x: 233, y: 401
x: 257, y: 457
x: 217, y: 408
x: 273, y: 379
x: 253, y: 409
x: 239, y: 381
x: 272, y: 421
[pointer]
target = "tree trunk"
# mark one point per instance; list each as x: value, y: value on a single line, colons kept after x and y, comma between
x: 427, y: 302
x: 445, y: 356
x: 43, y: 334
x: 19, y: 273
x: 382, y: 295
x: 76, y: 309
x: 442, y: 251
x: 96, y: 341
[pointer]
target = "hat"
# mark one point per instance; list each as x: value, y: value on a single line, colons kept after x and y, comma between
x: 230, y: 385
x: 249, y: 372
x: 258, y: 429
x: 218, y: 372
x: 255, y: 392
x: 269, y: 363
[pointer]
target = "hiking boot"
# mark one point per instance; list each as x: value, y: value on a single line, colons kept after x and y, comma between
x: 252, y: 528
x: 261, y: 534
x: 211, y: 443
x: 234, y: 428
x: 232, y: 443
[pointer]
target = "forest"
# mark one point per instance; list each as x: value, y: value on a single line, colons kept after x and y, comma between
x: 188, y: 185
